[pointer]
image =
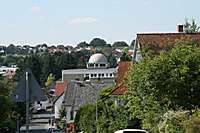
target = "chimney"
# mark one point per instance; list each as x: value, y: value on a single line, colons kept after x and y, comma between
x: 180, y: 28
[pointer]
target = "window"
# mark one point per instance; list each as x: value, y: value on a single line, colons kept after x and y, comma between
x: 102, y: 74
x: 91, y: 75
x: 99, y: 75
x: 71, y: 115
x: 91, y: 65
x: 95, y: 75
x: 111, y: 75
x: 106, y: 74
x: 96, y: 65
x: 102, y: 65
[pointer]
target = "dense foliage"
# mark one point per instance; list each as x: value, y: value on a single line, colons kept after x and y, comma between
x: 120, y: 44
x: 9, y: 112
x: 110, y: 116
x: 45, y: 63
x: 86, y: 119
x: 97, y: 42
x: 166, y: 82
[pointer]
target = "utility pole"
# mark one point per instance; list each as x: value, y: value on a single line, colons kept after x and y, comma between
x: 27, y: 103
x: 97, y: 117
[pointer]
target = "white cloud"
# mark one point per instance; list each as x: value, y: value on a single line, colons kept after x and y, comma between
x: 35, y: 8
x: 82, y: 20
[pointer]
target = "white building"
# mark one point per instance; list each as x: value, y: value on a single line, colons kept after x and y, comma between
x: 97, y: 71
x: 8, y: 71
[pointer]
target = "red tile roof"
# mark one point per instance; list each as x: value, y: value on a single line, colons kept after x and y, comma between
x: 163, y: 41
x: 123, y: 67
x: 60, y: 87
x: 119, y: 90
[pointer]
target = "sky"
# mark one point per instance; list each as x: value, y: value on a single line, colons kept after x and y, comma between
x: 73, y: 21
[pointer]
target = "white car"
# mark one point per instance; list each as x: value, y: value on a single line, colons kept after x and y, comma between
x: 131, y: 131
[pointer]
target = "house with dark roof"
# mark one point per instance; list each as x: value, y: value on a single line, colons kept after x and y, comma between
x: 76, y: 94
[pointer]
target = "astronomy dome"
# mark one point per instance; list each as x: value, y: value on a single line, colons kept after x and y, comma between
x: 98, y: 58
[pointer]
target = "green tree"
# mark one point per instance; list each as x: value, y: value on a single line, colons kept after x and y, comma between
x: 62, y: 115
x: 168, y: 81
x: 110, y: 116
x: 50, y: 80
x: 97, y: 42
x: 120, y: 44
x: 125, y: 56
x: 6, y: 122
x: 191, y: 27
x: 85, y: 119
x: 83, y: 44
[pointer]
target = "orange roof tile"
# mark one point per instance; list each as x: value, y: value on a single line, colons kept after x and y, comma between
x: 123, y: 67
x: 60, y: 87
x: 119, y: 90
x: 163, y: 41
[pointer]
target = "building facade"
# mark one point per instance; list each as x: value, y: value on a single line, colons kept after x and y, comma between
x: 97, y: 71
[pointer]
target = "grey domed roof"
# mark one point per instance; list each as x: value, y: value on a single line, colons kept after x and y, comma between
x: 98, y: 58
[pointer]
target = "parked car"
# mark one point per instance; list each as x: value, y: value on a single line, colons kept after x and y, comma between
x: 52, y: 130
x: 57, y: 131
x: 131, y: 131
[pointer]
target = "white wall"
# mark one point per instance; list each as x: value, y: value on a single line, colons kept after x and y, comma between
x: 58, y: 105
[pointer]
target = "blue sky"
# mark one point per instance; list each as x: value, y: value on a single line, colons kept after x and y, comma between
x: 73, y: 21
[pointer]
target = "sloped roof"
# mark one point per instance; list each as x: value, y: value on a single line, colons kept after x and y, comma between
x: 119, y: 90
x: 79, y: 93
x: 60, y: 87
x: 162, y: 41
x: 123, y: 67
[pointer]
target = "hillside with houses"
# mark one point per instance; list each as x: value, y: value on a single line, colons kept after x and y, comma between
x: 151, y: 84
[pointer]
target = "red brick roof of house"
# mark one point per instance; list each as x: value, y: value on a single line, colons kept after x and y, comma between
x: 162, y: 41
x: 60, y: 87
x: 119, y: 90
x: 123, y: 67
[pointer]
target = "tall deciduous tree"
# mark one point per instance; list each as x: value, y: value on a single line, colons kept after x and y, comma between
x: 191, y: 27
x: 120, y: 44
x: 85, y: 119
x: 50, y: 80
x: 97, y: 42
x: 6, y: 87
x: 168, y: 81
